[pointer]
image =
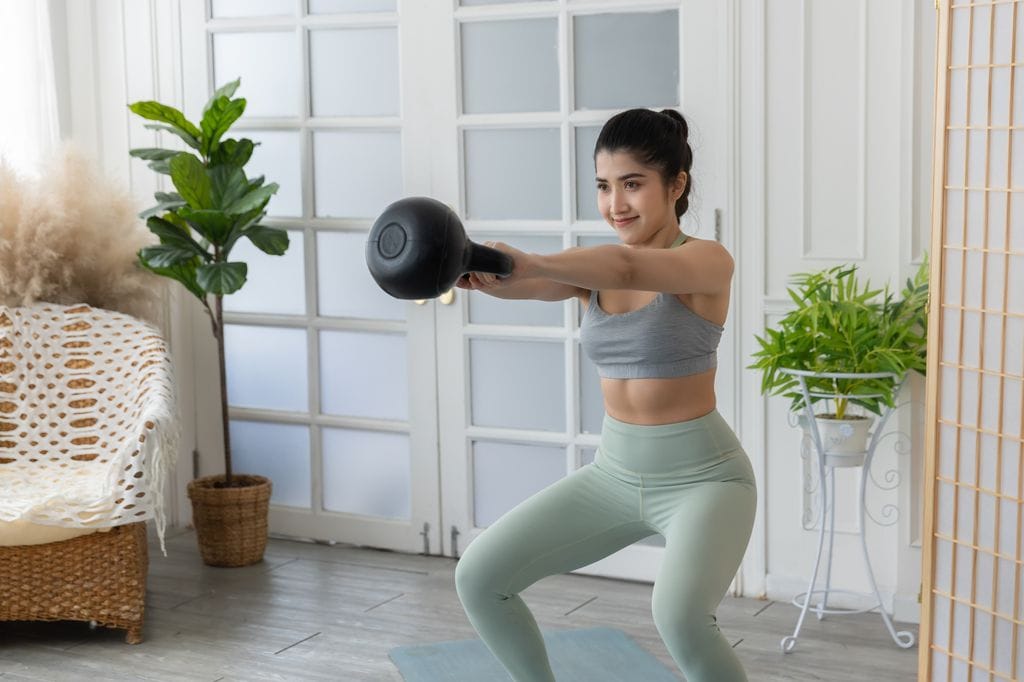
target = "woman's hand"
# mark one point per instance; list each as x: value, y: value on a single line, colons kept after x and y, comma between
x: 521, y: 263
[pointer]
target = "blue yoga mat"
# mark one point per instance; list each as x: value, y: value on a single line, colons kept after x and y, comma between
x: 590, y: 655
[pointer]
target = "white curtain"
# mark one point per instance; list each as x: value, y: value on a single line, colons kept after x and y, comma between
x: 29, y: 120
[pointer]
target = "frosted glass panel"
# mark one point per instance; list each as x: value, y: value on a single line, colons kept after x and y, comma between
x: 485, y: 309
x: 510, y: 66
x: 958, y: 97
x: 586, y: 187
x: 276, y: 157
x: 591, y: 400
x: 342, y: 83
x: 357, y: 174
x: 473, y: 3
x: 626, y: 60
x: 278, y: 451
x: 367, y: 473
x: 518, y: 384
x: 251, y: 8
x: 344, y: 285
x: 267, y: 62
x: 956, y: 158
x: 364, y: 375
x: 513, y: 174
x: 342, y: 6
x: 505, y: 474
x: 587, y: 456
x: 274, y: 284
x: 266, y: 367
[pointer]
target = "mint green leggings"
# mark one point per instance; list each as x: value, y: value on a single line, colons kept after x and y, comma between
x: 689, y: 481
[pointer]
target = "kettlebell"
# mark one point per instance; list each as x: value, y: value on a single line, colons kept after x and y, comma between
x: 418, y: 248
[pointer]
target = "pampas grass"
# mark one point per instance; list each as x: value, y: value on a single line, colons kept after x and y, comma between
x: 71, y: 236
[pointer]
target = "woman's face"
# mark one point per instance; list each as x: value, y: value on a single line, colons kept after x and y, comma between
x: 634, y: 198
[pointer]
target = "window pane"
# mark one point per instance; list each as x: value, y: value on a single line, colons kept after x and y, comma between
x: 356, y: 174
x: 505, y: 474
x: 252, y: 8
x: 277, y: 158
x: 278, y: 451
x: 266, y: 367
x: 474, y: 3
x: 364, y: 375
x: 367, y: 472
x: 510, y: 66
x: 518, y: 384
x: 274, y: 284
x: 513, y: 174
x: 342, y: 6
x: 626, y: 60
x: 342, y: 85
x: 344, y: 284
x: 591, y: 399
x: 267, y: 62
x: 586, y: 187
x: 484, y: 309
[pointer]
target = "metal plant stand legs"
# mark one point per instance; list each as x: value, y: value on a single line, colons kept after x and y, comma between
x: 826, y: 476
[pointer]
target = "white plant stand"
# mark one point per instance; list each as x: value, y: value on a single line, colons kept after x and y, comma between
x: 826, y: 474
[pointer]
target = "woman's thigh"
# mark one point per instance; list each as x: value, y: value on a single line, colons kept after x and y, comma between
x: 571, y: 523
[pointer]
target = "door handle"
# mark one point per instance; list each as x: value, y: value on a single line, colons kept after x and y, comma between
x: 420, y: 301
x: 448, y: 297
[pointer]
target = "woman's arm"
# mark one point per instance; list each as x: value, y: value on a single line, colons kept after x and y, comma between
x: 535, y: 288
x: 701, y: 267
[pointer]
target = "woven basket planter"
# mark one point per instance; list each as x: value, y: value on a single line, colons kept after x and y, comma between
x: 231, y: 523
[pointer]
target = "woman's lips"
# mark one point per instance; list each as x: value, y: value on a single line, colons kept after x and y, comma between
x: 624, y: 221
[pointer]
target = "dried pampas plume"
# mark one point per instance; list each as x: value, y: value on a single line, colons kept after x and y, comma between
x: 71, y: 236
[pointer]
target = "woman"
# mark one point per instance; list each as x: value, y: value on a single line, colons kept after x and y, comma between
x: 668, y: 462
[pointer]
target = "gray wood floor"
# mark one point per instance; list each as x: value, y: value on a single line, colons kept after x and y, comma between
x: 314, y: 612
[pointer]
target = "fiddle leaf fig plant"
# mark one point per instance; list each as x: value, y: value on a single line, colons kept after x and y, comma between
x: 842, y: 326
x: 214, y: 205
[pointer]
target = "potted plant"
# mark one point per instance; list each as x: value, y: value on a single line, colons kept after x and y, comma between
x: 841, y: 326
x: 215, y: 205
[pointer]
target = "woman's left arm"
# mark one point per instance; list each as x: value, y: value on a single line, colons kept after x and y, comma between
x: 701, y: 267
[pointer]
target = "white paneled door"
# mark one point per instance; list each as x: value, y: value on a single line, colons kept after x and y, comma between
x: 409, y: 425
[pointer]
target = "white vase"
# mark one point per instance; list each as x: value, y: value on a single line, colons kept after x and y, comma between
x: 844, y: 440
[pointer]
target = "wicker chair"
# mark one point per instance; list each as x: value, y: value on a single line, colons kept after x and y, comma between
x: 87, y: 434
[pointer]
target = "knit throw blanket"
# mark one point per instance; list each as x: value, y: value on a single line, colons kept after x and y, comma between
x: 88, y: 424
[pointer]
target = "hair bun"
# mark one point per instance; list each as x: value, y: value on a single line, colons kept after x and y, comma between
x: 677, y: 117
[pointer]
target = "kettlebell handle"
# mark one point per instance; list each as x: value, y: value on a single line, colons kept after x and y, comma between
x: 487, y: 259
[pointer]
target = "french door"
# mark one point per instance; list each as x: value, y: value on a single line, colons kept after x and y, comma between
x: 413, y: 425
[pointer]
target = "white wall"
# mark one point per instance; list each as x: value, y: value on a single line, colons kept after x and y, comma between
x: 834, y: 147
x: 836, y: 168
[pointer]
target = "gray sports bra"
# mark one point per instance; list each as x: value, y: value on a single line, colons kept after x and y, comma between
x: 663, y: 339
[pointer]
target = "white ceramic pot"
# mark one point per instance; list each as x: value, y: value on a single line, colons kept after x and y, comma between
x: 845, y: 440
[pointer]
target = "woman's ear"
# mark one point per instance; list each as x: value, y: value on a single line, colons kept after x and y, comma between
x: 679, y: 186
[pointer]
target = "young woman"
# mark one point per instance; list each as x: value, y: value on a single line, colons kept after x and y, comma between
x: 668, y: 462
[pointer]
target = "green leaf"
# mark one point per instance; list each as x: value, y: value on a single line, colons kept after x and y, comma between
x: 184, y: 273
x: 212, y: 224
x: 191, y: 181
x: 221, y: 278
x: 155, y: 111
x: 162, y: 207
x: 163, y: 167
x: 233, y: 152
x: 166, y: 255
x: 217, y: 118
x: 226, y: 90
x: 270, y: 240
x: 227, y: 184
x: 152, y: 153
x: 190, y: 140
x: 254, y: 199
x: 169, y: 233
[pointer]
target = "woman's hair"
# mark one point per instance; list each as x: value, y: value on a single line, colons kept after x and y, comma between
x: 655, y: 138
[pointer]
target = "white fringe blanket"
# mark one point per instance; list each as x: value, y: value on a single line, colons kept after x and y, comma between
x: 88, y: 420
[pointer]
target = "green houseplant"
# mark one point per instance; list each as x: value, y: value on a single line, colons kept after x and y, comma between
x: 842, y: 326
x: 214, y: 205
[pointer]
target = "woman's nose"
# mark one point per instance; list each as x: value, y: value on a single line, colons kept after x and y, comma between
x: 618, y: 203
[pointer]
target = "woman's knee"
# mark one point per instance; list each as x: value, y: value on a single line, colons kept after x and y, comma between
x: 687, y: 623
x: 475, y: 578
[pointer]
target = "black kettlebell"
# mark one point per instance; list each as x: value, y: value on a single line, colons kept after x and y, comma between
x: 418, y: 248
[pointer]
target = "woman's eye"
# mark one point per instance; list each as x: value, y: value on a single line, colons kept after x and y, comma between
x: 631, y: 185
x: 602, y: 188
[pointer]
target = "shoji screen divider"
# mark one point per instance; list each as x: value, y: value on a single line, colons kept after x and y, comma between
x: 973, y: 597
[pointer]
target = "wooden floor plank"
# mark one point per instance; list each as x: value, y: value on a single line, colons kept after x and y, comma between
x: 313, y: 611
